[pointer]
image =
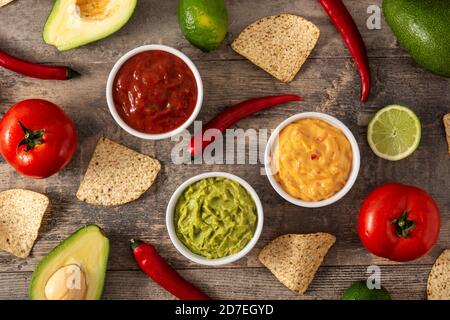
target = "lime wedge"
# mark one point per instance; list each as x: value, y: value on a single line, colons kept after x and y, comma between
x: 394, y: 133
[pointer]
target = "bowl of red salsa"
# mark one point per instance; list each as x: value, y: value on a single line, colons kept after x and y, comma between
x: 154, y: 92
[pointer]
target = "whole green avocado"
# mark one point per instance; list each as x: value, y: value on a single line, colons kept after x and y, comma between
x: 423, y: 28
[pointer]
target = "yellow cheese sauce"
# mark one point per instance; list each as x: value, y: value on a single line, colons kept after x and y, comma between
x: 312, y: 160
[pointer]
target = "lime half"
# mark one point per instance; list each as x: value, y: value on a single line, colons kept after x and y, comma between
x: 394, y: 133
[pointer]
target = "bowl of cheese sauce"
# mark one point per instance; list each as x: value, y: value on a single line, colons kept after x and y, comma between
x: 312, y: 159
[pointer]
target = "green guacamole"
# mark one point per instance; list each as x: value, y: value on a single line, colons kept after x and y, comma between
x: 215, y: 217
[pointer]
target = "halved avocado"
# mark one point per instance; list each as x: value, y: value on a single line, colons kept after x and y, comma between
x: 87, y: 250
x: 73, y: 23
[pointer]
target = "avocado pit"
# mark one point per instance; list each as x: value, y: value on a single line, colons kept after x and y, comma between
x: 67, y: 283
x: 94, y: 9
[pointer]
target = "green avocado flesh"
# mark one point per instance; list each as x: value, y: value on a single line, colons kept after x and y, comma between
x: 215, y: 217
x: 73, y: 23
x: 359, y: 291
x: 423, y: 29
x: 204, y: 23
x: 87, y: 248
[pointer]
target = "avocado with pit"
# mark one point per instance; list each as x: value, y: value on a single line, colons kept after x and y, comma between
x: 73, y: 23
x: 422, y: 28
x: 204, y: 23
x: 75, y: 269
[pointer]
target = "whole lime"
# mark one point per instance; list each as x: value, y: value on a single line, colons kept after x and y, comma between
x: 204, y: 23
x: 359, y: 291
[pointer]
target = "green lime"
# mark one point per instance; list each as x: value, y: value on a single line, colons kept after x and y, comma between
x: 359, y: 291
x: 394, y: 133
x: 204, y: 23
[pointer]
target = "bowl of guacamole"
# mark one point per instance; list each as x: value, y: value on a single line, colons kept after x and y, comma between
x: 214, y: 218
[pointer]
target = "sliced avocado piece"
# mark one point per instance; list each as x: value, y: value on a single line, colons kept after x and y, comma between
x: 87, y: 251
x: 73, y: 23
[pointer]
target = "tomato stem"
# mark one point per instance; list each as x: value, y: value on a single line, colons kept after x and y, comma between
x: 31, y: 138
x: 403, y: 225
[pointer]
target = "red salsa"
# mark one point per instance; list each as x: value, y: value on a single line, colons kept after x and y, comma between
x: 155, y: 92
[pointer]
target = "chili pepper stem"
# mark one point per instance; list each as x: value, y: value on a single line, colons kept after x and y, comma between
x: 72, y: 73
x: 134, y: 243
x: 36, y: 70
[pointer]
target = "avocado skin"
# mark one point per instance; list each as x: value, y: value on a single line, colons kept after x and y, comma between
x: 63, y: 245
x: 423, y: 29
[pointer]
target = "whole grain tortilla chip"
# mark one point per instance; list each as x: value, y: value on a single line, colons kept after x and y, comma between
x: 21, y: 213
x: 5, y: 2
x: 278, y: 44
x: 117, y: 175
x: 438, y: 286
x: 295, y: 258
x: 446, y: 120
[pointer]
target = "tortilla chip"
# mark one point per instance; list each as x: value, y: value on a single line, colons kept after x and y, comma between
x: 117, y: 175
x: 446, y: 120
x: 278, y: 44
x: 438, y: 287
x: 21, y: 213
x: 5, y: 2
x: 295, y: 258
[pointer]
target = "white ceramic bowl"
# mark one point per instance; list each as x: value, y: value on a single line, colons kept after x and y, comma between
x: 112, y: 107
x: 195, y: 257
x: 355, y: 165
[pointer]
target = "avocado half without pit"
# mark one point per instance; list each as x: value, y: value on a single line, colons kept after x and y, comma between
x: 75, y: 269
x: 73, y: 23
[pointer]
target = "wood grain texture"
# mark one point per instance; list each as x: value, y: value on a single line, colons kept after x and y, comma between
x: 329, y: 82
x: 329, y: 283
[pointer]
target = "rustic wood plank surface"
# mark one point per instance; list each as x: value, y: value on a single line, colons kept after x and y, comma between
x: 329, y: 82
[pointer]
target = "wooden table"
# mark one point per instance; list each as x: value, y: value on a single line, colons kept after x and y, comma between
x: 329, y: 82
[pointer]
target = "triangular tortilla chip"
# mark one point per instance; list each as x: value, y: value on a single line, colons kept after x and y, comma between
x: 117, y: 175
x: 446, y: 121
x: 295, y: 258
x: 21, y: 213
x: 5, y: 2
x: 438, y: 287
x: 278, y: 44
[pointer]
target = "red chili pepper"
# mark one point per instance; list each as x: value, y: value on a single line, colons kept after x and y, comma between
x: 35, y: 70
x: 163, y: 274
x: 344, y: 22
x: 235, y: 113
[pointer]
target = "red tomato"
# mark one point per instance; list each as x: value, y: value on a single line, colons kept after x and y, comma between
x: 398, y: 222
x: 37, y: 138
